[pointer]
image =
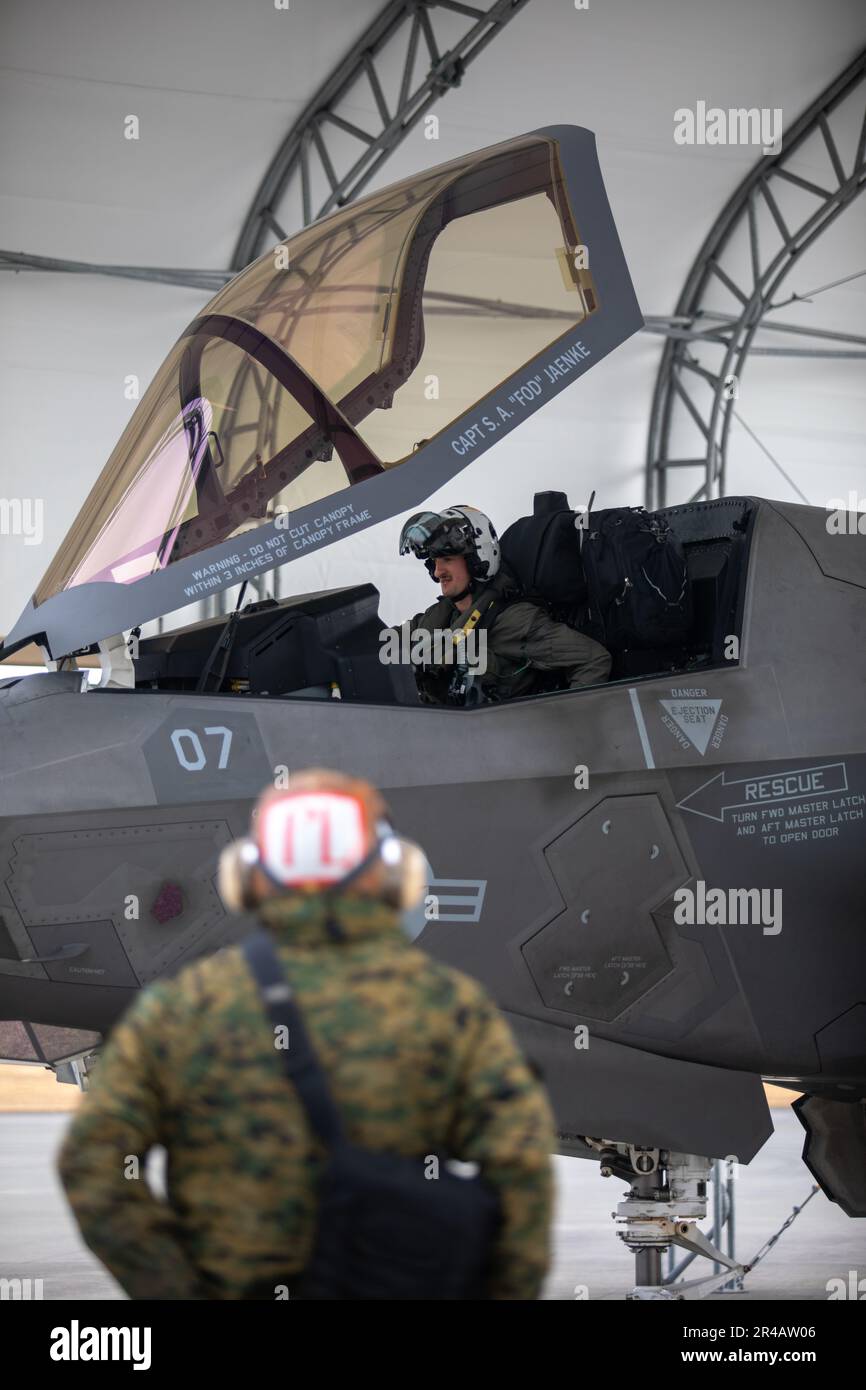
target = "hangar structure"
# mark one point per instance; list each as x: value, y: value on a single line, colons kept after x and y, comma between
x: 363, y: 140
x: 426, y: 49
x: 695, y: 323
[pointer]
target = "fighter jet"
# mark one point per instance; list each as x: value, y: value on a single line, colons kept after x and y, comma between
x: 590, y: 850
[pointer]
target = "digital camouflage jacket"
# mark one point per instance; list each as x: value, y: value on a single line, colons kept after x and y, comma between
x: 419, y: 1061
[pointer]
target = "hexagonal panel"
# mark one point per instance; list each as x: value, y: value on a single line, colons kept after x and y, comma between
x: 603, y: 951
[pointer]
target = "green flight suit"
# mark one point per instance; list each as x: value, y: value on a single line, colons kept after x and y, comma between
x: 524, y: 644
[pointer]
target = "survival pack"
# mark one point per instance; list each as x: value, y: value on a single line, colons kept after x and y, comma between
x: 619, y: 575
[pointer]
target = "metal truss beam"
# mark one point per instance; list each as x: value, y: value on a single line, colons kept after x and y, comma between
x: 470, y: 306
x: 687, y: 388
x: 285, y: 198
x: 210, y: 281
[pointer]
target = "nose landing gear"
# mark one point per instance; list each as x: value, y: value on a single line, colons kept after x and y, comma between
x: 667, y: 1198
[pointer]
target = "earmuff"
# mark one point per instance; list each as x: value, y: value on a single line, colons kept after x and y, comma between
x: 234, y: 875
x: 406, y: 871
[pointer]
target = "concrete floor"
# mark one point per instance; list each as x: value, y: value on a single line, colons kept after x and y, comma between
x: 38, y: 1239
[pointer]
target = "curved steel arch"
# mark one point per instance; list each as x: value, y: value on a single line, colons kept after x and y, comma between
x: 692, y: 323
x: 291, y: 168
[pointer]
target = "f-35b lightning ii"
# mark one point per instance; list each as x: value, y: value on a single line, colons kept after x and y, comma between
x: 297, y: 410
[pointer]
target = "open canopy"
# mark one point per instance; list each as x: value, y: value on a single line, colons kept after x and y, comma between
x: 343, y: 377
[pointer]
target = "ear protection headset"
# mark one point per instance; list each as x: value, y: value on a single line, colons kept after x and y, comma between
x: 403, y: 880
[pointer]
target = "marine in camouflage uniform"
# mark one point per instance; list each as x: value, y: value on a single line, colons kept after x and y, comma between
x: 419, y: 1062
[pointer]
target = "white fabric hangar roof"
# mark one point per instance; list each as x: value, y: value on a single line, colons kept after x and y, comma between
x: 216, y: 85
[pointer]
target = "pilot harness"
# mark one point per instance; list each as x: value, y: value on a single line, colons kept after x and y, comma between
x: 465, y: 686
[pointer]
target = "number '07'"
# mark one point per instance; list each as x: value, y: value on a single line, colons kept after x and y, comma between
x: 190, y: 753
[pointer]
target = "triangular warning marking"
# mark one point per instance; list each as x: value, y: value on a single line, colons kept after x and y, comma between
x: 696, y: 719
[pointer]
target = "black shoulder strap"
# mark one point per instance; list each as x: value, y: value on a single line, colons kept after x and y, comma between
x: 300, y: 1063
x: 487, y: 605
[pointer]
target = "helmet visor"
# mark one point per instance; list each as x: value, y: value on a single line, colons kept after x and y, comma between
x: 429, y: 533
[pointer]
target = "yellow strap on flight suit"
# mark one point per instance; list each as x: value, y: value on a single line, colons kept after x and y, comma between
x: 463, y: 632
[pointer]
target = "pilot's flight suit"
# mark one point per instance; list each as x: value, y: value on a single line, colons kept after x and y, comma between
x: 419, y: 1060
x: 522, y: 641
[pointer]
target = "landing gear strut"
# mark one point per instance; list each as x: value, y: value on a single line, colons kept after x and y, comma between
x: 667, y: 1197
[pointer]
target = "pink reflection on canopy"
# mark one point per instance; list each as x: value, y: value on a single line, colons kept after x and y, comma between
x: 140, y: 534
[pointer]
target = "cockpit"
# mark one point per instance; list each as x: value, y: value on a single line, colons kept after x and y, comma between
x: 330, y: 645
x: 340, y: 380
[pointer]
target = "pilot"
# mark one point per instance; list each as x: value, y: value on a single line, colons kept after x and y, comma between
x: 412, y: 1057
x: 503, y: 646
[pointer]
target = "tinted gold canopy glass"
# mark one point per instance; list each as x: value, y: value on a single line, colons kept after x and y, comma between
x: 334, y: 356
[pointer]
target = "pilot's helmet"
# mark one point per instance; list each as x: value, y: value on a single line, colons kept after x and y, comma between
x: 325, y: 833
x: 456, y: 531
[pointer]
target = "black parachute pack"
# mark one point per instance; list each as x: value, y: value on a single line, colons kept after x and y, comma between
x: 637, y: 579
x: 619, y: 575
x: 542, y: 552
x: 385, y: 1230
